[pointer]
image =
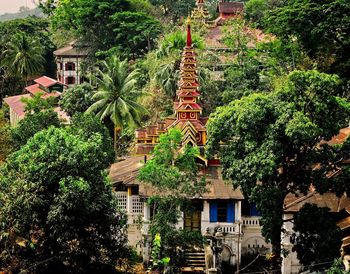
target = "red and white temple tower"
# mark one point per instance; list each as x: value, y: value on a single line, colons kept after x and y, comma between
x: 187, y: 108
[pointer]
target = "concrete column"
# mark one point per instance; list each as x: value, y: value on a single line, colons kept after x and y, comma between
x: 129, y: 202
x: 238, y: 210
x: 205, y: 217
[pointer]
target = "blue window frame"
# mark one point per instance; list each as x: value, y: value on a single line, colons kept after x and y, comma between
x: 222, y: 211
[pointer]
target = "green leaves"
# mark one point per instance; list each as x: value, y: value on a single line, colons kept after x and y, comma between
x: 54, y: 193
x: 77, y: 99
x: 321, y: 27
x: 33, y: 123
x: 269, y: 144
x: 116, y: 94
x: 316, y: 237
x: 23, y: 56
x: 172, y: 173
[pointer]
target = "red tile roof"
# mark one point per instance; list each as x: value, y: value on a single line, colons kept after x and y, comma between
x: 344, y: 133
x: 46, y: 81
x: 15, y: 103
x: 55, y: 94
x: 33, y: 89
x: 189, y: 94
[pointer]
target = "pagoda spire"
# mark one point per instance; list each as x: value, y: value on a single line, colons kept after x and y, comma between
x: 189, y: 36
x: 187, y: 107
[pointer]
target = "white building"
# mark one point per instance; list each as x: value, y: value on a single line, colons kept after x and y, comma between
x: 69, y: 60
x: 220, y: 207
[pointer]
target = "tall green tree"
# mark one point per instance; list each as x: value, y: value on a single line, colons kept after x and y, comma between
x: 175, y: 9
x: 31, y: 124
x: 172, y: 174
x: 35, y: 29
x: 135, y: 33
x: 77, y: 99
x: 58, y: 213
x: 108, y: 26
x: 23, y: 56
x: 269, y: 143
x: 116, y: 95
x: 323, y: 28
x: 6, y: 145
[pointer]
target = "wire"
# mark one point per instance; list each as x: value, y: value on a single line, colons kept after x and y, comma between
x: 248, y: 264
x: 276, y: 270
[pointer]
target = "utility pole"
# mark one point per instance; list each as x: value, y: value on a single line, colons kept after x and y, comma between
x: 238, y: 244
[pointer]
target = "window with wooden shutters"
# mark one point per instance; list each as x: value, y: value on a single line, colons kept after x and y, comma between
x: 222, y: 211
x: 70, y: 80
x: 70, y: 66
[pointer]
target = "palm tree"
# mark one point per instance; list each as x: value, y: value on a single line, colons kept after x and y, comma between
x: 23, y: 57
x: 116, y: 95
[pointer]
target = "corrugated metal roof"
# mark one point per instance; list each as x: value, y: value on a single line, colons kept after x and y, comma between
x: 230, y: 7
x: 126, y: 171
x: 294, y: 203
x: 71, y: 50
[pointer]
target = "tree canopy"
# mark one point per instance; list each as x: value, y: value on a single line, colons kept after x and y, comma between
x: 173, y: 176
x: 107, y: 26
x: 271, y: 141
x: 77, y: 99
x: 57, y: 208
x: 323, y: 27
x: 316, y: 237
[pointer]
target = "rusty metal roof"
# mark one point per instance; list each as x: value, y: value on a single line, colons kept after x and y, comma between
x: 126, y: 171
x: 71, y: 50
x: 344, y: 223
x: 230, y: 7
x: 294, y: 203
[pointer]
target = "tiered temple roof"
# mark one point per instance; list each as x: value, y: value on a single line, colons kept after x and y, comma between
x: 200, y: 13
x: 187, y: 108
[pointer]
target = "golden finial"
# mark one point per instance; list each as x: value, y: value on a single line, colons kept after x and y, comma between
x: 188, y: 21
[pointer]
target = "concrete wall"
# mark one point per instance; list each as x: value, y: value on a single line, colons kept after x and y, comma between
x: 62, y: 74
x: 290, y: 264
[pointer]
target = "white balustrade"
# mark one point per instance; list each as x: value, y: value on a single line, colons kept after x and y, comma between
x: 251, y: 221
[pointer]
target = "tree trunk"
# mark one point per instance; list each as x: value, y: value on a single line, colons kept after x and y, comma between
x: 276, y: 235
x: 116, y: 133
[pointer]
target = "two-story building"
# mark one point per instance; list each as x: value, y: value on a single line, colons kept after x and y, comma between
x: 69, y: 60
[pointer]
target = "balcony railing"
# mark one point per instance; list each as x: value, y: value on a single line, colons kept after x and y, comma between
x: 251, y: 221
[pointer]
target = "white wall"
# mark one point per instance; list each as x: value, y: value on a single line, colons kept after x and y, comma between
x: 290, y: 264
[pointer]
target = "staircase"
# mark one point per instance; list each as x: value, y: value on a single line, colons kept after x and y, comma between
x: 195, y: 261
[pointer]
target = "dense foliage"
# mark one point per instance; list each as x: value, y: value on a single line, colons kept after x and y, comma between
x: 116, y: 94
x: 108, y: 26
x: 311, y: 224
x: 31, y: 40
x: 58, y: 213
x: 77, y: 99
x: 173, y: 177
x: 6, y: 144
x: 32, y: 124
x: 271, y: 142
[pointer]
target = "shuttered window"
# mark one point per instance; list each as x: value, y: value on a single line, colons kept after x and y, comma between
x: 222, y: 211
